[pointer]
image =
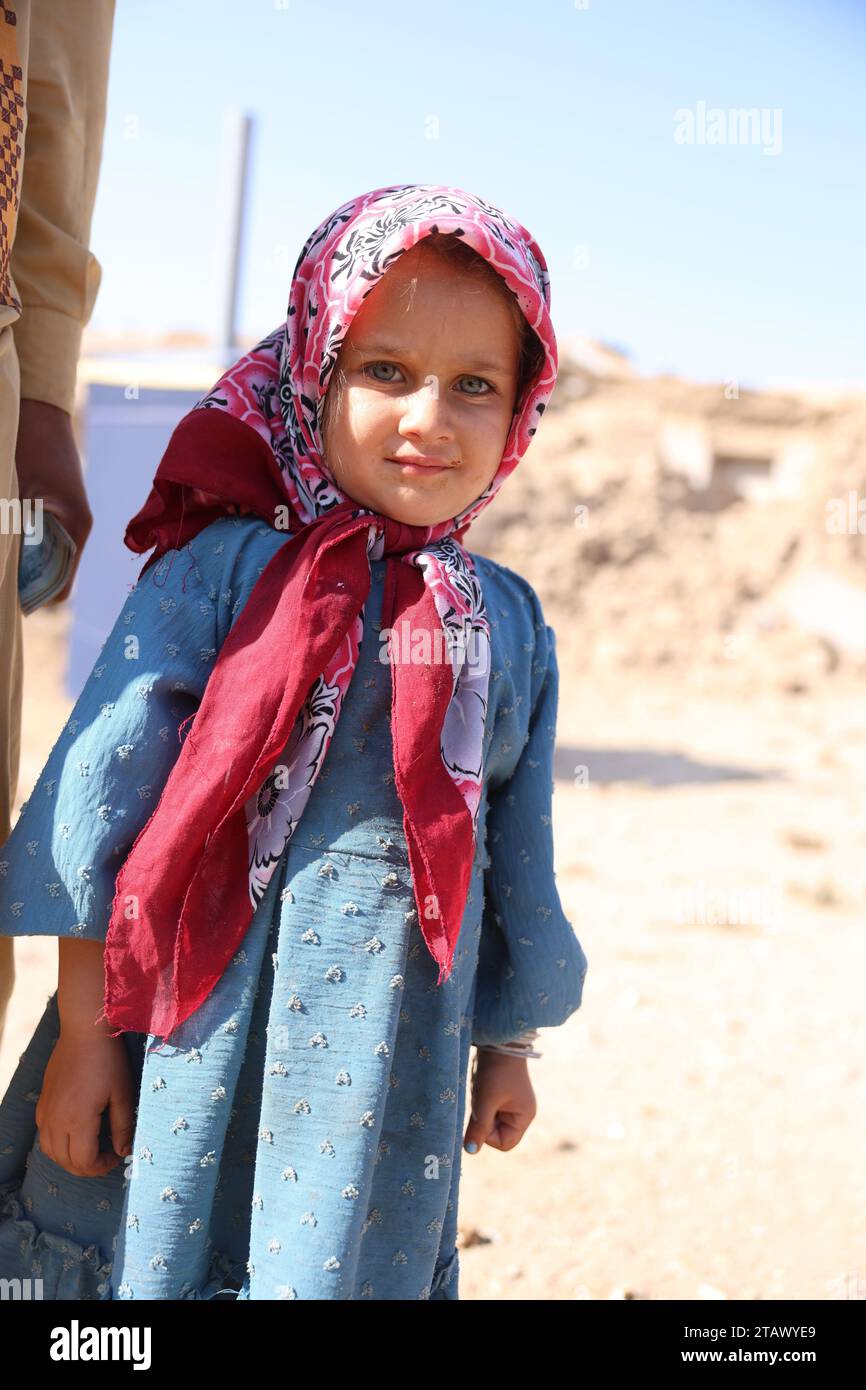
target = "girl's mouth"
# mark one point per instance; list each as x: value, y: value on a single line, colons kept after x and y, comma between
x: 415, y: 470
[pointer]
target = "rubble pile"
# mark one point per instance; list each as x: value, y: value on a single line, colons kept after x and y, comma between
x: 638, y: 566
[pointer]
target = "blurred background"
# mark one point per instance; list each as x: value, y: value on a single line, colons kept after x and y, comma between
x: 692, y: 514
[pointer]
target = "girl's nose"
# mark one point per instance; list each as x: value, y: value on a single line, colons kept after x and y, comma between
x: 426, y: 408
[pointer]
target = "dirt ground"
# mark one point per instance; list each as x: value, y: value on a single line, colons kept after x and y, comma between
x: 702, y: 1118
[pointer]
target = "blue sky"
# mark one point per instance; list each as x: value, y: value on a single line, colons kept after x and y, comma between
x: 715, y: 261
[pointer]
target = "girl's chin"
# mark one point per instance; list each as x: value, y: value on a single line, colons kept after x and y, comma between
x: 406, y: 506
x: 423, y: 510
x: 418, y: 515
x: 410, y: 504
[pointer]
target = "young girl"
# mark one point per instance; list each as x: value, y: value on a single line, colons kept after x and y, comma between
x: 295, y: 840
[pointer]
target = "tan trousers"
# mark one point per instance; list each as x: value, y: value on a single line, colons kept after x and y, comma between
x: 57, y: 84
x: 10, y: 632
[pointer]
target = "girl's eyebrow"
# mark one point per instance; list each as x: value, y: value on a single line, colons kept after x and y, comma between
x: 481, y: 364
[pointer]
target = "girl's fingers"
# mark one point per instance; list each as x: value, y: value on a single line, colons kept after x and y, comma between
x: 122, y: 1127
x: 83, y: 1148
x: 46, y: 1147
x: 512, y: 1130
x: 482, y: 1120
x: 84, y: 1154
x: 508, y: 1130
x: 55, y: 1147
x: 122, y: 1117
x: 65, y: 1158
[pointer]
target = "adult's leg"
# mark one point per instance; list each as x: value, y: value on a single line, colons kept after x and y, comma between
x: 10, y: 628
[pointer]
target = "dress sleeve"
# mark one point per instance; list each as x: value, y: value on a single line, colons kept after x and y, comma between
x: 531, y: 965
x: 106, y: 771
x: 54, y: 271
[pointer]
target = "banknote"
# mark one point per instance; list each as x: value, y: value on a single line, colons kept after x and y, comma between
x: 44, y: 569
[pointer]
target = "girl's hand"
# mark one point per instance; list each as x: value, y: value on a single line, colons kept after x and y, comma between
x: 85, y: 1073
x: 503, y: 1101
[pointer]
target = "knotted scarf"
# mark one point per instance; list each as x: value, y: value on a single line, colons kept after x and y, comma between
x: 185, y: 896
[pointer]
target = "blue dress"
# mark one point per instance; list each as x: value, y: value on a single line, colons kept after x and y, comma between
x: 302, y: 1137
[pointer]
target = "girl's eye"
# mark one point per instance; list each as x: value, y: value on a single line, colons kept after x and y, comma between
x: 391, y: 366
x: 483, y: 383
x: 385, y: 381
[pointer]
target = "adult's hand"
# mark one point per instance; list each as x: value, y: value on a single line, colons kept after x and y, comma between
x: 49, y: 467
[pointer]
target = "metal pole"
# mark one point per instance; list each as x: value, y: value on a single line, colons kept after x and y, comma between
x: 236, y: 145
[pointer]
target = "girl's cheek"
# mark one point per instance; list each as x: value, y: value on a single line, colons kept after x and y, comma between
x: 366, y: 415
x: 490, y: 433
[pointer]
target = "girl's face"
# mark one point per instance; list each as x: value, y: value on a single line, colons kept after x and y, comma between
x: 431, y: 376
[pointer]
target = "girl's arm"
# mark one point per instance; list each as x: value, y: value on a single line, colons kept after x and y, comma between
x: 108, y: 767
x: 531, y: 965
x: 81, y: 987
x: 102, y: 781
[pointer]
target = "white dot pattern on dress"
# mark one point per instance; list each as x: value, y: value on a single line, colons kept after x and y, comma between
x: 286, y: 1141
